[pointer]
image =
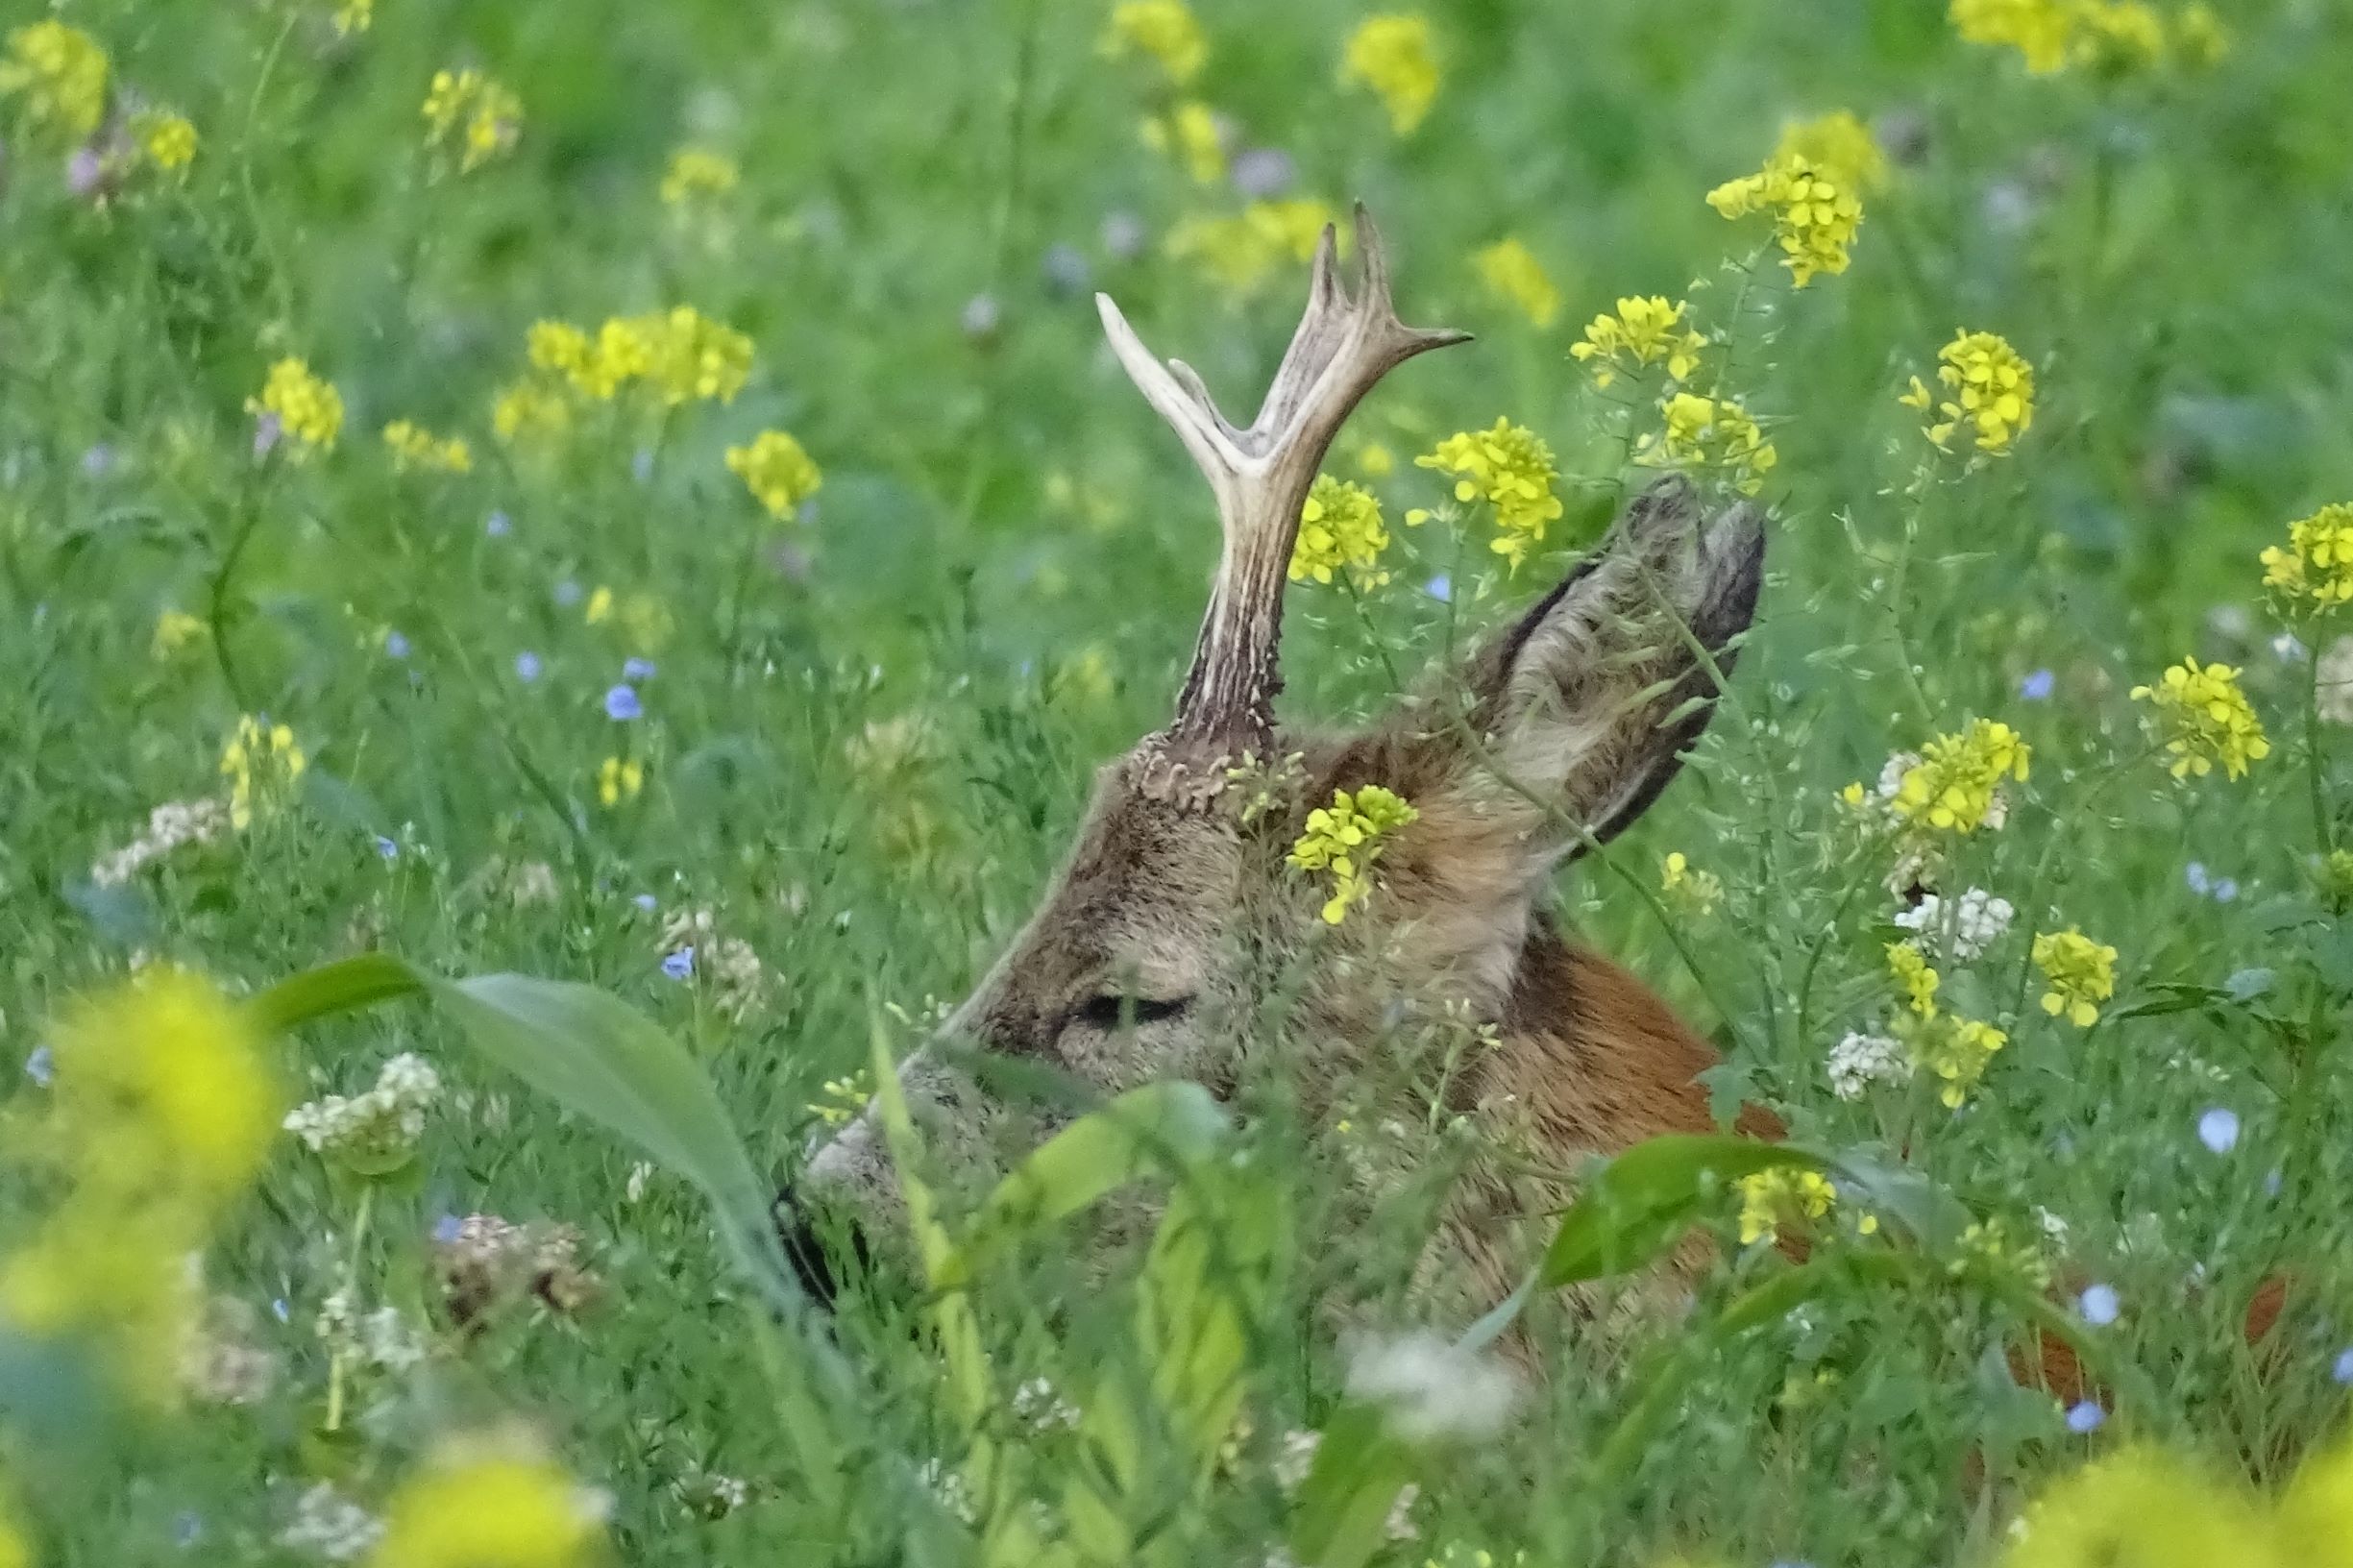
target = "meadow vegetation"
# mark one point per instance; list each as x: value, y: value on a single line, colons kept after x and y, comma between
x: 602, y: 540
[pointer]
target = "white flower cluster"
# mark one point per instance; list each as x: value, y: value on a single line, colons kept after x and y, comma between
x: 727, y: 964
x: 168, y: 826
x: 380, y: 1126
x: 710, y: 1493
x: 331, y: 1527
x: 1962, y: 929
x: 2335, y: 677
x: 381, y: 1338
x: 1040, y: 1406
x: 1860, y: 1060
x: 219, y: 1362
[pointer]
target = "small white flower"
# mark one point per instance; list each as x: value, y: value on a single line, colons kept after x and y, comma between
x: 1042, y: 1407
x: 379, y: 1127
x: 386, y: 1339
x: 1860, y: 1060
x: 1961, y: 930
x: 947, y: 1486
x: 2335, y: 677
x: 1291, y: 1465
x: 168, y: 826
x: 1430, y: 1390
x: 331, y: 1527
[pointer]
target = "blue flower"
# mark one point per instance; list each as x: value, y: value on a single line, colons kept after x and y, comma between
x: 279, y: 1310
x: 2084, y: 1418
x: 2098, y: 1306
x: 396, y: 645
x: 527, y: 666
x: 187, y: 1528
x: 496, y: 525
x: 568, y: 593
x: 446, y: 1229
x: 387, y: 848
x: 647, y: 902
x: 2343, y: 1370
x: 681, y: 964
x: 2038, y: 687
x: 621, y: 705
x: 637, y: 669
x: 2218, y: 1128
x: 1441, y: 588
x: 41, y: 1066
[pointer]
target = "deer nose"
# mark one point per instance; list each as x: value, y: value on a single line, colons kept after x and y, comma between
x: 811, y: 1245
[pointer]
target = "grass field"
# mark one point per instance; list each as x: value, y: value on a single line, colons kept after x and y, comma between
x: 774, y: 742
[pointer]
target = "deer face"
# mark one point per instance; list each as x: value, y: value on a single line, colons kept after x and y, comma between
x: 1176, y: 919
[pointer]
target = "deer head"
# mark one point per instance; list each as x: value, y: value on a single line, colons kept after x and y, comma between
x: 1176, y: 917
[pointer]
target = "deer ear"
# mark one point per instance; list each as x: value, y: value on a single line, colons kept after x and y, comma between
x: 1590, y: 700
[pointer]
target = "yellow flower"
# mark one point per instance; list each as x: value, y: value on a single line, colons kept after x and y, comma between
x: 696, y: 173
x: 2204, y: 39
x: 2317, y: 564
x: 1711, y: 433
x: 163, y: 1113
x: 618, y: 781
x: 1994, y: 388
x: 414, y: 447
x: 1644, y: 332
x: 1242, y: 251
x: 1815, y: 214
x: 840, y: 1099
x: 1164, y: 30
x: 2137, y: 1508
x: 1513, y: 274
x: 1190, y: 131
x: 1510, y: 468
x: 1346, y: 838
x: 2081, y: 974
x: 558, y: 346
x: 694, y: 357
x: 1778, y: 1196
x: 2205, y: 719
x: 1914, y: 977
x: 1340, y: 527
x: 353, y: 17
x: 487, y: 1507
x: 168, y: 139
x: 2043, y: 31
x: 262, y: 766
x: 476, y: 115
x: 600, y: 605
x: 308, y: 410
x: 62, y: 73
x: 530, y: 412
x: 175, y: 629
x: 1697, y: 892
x: 1955, y: 1049
x: 1956, y: 785
x: 2313, y: 1525
x: 776, y: 470
x: 1392, y: 56
x: 1839, y: 145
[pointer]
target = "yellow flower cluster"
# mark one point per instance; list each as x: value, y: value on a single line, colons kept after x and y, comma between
x: 1644, y: 332
x: 2206, y: 719
x: 2317, y: 564
x: 1986, y: 1251
x: 1512, y: 273
x: 473, y: 114
x: 308, y: 410
x: 1914, y: 977
x: 1778, y: 1196
x: 489, y: 1505
x: 1510, y: 468
x: 1993, y: 384
x: 1955, y: 1049
x: 2080, y: 973
x: 163, y: 1111
x: 680, y: 354
x: 1164, y: 30
x: 2143, y: 1507
x: 840, y: 1100
x: 1709, y: 432
x: 698, y: 174
x: 1838, y: 144
x: 1957, y: 784
x: 414, y: 447
x: 776, y: 470
x: 1815, y: 214
x: 1696, y: 891
x: 1243, y: 250
x: 354, y: 17
x: 1339, y: 529
x: 620, y: 780
x: 61, y: 72
x: 531, y: 411
x: 2053, y: 35
x: 260, y: 766
x: 1392, y: 56
x: 1189, y: 132
x: 168, y: 139
x: 1345, y: 838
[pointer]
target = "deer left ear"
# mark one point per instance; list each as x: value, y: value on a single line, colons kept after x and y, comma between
x: 1591, y: 700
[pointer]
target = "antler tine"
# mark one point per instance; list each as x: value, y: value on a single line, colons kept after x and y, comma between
x: 1261, y: 474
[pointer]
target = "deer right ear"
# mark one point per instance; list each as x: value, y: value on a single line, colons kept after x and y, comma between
x: 1592, y: 697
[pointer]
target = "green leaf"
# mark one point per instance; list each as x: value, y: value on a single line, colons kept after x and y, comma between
x: 344, y: 986
x: 1166, y: 1126
x: 1637, y: 1206
x: 1342, y: 1514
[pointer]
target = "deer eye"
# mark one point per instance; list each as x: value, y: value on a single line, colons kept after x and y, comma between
x: 1110, y: 1010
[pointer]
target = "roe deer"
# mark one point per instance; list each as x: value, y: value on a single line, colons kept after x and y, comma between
x: 1175, y: 918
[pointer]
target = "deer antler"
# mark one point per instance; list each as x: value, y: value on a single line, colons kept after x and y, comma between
x: 1261, y: 475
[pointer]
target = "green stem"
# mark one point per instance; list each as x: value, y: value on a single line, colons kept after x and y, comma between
x: 339, y: 1368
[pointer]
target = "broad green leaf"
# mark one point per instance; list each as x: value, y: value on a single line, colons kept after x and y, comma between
x: 1637, y: 1206
x: 344, y: 986
x: 1342, y: 1514
x: 1164, y: 1126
